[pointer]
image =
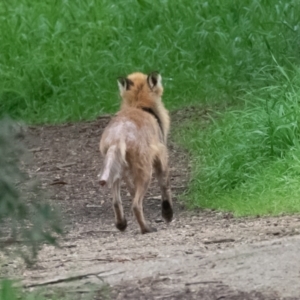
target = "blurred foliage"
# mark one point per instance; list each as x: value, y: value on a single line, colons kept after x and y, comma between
x: 26, y: 219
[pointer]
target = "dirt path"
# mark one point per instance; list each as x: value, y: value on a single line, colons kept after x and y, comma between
x: 200, y: 255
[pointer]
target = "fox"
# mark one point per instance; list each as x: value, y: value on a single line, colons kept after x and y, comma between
x: 134, y: 146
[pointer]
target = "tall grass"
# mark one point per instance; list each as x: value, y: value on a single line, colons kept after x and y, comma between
x: 248, y: 161
x: 60, y: 59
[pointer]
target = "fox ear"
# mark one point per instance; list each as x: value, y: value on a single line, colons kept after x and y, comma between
x: 154, y: 79
x: 124, y: 84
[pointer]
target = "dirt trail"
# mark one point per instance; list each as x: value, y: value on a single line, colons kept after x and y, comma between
x: 200, y: 255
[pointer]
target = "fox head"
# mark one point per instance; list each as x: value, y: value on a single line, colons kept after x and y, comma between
x: 138, y: 89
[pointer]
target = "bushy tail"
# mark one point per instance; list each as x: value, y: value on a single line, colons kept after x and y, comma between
x: 114, y: 162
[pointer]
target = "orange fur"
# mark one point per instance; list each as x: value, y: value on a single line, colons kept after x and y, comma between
x: 134, y: 143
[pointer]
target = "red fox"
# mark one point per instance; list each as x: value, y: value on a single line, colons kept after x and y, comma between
x: 134, y: 143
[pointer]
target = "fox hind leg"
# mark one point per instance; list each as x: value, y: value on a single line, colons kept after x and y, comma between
x: 162, y: 174
x: 121, y: 222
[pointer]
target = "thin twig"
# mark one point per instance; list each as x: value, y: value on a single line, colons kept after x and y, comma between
x: 219, y: 241
x: 72, y: 278
x: 202, y: 282
x: 64, y: 279
x: 58, y: 182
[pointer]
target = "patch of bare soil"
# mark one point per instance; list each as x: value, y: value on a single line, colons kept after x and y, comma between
x: 202, y: 254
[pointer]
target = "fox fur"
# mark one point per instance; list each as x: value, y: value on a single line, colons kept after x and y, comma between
x: 134, y: 144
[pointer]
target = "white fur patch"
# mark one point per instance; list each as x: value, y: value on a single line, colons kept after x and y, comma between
x: 122, y: 88
x: 124, y: 129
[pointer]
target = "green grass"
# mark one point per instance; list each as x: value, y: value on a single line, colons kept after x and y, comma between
x: 60, y: 59
x: 8, y: 291
x: 247, y: 160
